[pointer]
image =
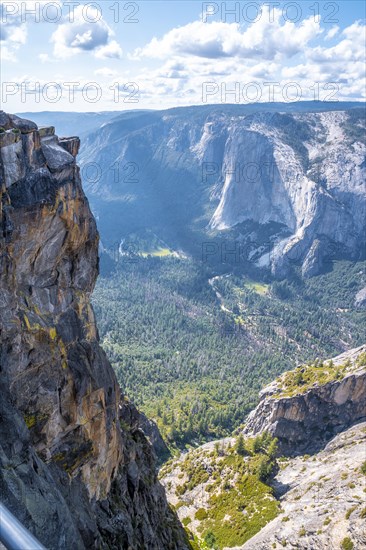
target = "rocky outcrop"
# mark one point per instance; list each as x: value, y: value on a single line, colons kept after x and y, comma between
x: 322, y: 499
x: 360, y: 299
x: 70, y: 469
x: 151, y: 430
x: 305, y: 420
x: 131, y: 416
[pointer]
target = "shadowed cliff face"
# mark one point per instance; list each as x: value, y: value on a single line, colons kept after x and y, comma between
x: 62, y: 438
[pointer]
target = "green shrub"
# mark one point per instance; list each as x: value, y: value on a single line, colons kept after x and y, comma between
x: 349, y: 512
x: 201, y: 514
x: 180, y: 489
x: 347, y: 544
x: 240, y: 446
x: 361, y: 360
x: 265, y: 467
x: 210, y: 540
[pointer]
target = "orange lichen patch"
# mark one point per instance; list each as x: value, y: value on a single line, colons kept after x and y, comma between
x: 86, y: 314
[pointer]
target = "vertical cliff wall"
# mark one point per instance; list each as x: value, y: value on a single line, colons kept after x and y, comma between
x: 71, y: 468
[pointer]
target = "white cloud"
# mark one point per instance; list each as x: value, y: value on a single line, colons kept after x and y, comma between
x: 112, y: 51
x: 332, y: 32
x: 15, y: 17
x: 44, y: 57
x: 105, y: 72
x: 80, y: 35
x: 233, y: 57
x: 348, y: 50
x: 7, y: 54
x: 182, y: 60
x: 263, y: 39
x: 11, y: 39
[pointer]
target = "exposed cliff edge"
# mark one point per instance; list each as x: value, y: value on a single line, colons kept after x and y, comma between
x: 306, y: 407
x: 75, y: 471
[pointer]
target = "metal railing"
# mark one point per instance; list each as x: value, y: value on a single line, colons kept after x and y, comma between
x: 14, y: 535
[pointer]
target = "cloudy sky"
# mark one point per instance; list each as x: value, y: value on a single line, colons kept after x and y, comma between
x: 108, y: 55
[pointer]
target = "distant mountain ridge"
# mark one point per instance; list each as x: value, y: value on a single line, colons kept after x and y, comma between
x: 191, y: 174
x: 194, y: 173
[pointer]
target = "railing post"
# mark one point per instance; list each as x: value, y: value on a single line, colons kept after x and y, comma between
x: 14, y: 535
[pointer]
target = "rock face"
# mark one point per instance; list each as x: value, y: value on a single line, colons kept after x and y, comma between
x: 305, y: 421
x: 360, y: 299
x: 216, y: 168
x: 131, y: 416
x: 322, y: 499
x: 70, y: 468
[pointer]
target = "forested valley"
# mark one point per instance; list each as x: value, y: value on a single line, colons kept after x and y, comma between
x: 192, y: 348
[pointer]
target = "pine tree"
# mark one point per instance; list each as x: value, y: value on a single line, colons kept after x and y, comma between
x: 264, y: 468
x: 240, y: 445
x: 272, y: 448
x: 257, y: 444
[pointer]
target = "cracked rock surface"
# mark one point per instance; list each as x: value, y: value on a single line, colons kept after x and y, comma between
x: 68, y: 470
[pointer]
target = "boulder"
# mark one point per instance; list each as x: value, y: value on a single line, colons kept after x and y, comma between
x: 8, y: 138
x: 22, y: 124
x: 71, y: 145
x: 5, y: 121
x: 56, y: 157
x: 46, y: 131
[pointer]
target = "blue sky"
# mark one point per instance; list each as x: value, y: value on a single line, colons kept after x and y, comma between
x: 89, y: 56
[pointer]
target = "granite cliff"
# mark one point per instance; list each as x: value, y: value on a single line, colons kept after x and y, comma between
x: 306, y: 407
x: 74, y: 468
x: 293, y: 171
